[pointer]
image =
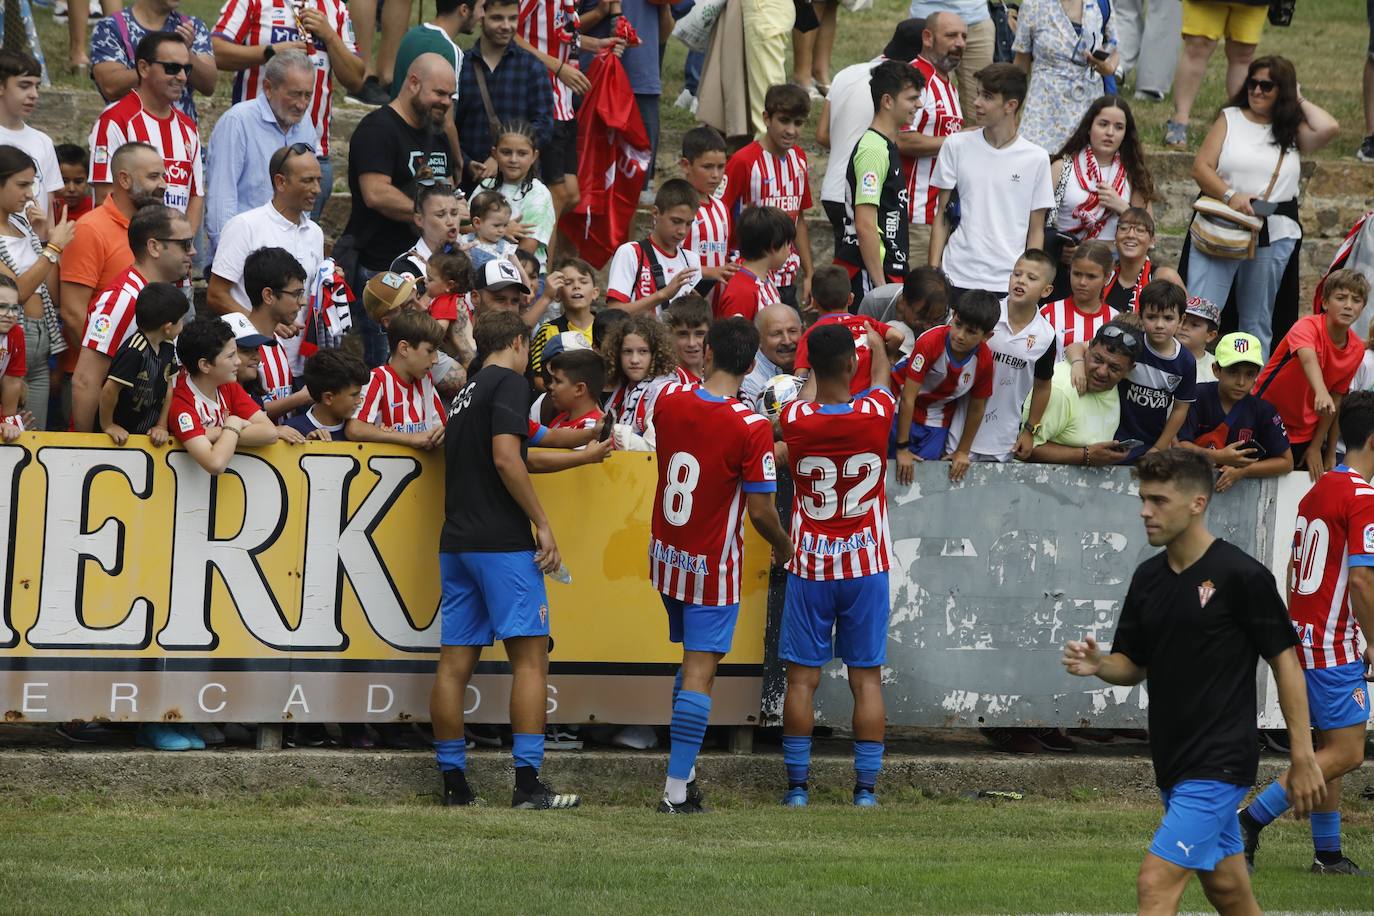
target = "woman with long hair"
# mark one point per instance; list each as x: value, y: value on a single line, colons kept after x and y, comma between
x: 1099, y: 173
x: 1135, y: 238
x: 1251, y: 160
x: 30, y: 263
x: 640, y: 359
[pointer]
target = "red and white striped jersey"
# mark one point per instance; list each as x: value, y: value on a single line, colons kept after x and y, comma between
x: 13, y: 355
x: 541, y: 22
x: 1071, y: 325
x: 709, y: 236
x: 838, y: 454
x: 711, y: 453
x: 192, y: 413
x: 939, y: 116
x: 110, y: 316
x: 588, y: 420
x: 745, y: 294
x: 274, y: 371
x: 632, y: 404
x: 405, y: 407
x: 253, y: 23
x: 755, y: 177
x: 174, y: 136
x: 1335, y: 531
x: 940, y: 381
x: 858, y: 326
x: 684, y: 376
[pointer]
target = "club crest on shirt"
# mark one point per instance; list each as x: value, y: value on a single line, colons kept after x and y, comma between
x: 1030, y: 342
x: 543, y: 614
x: 1205, y: 591
x: 1358, y: 696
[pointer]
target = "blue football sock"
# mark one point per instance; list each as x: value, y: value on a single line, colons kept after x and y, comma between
x: 452, y: 755
x: 1269, y: 805
x: 796, y: 756
x: 868, y: 760
x: 688, y: 728
x: 528, y: 750
x: 1326, y: 831
x: 677, y: 685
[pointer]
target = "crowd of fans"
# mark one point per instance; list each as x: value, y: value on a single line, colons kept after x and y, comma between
x: 1006, y: 263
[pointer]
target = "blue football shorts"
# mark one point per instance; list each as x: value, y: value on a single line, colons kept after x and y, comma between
x: 1200, y: 826
x: 490, y: 596
x: 1338, y: 697
x: 837, y: 618
x: 701, y: 627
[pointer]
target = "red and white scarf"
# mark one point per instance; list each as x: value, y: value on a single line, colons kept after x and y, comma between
x: 1092, y: 214
x: 1140, y: 283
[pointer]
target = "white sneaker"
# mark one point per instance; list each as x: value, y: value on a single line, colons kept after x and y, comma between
x: 686, y: 100
x: 636, y: 737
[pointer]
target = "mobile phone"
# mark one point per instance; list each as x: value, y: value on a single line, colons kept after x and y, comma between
x: 1129, y: 445
x: 1100, y: 54
x: 1256, y: 450
x: 607, y: 427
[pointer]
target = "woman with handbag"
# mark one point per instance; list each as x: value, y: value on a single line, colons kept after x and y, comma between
x: 1067, y: 48
x: 31, y: 264
x: 1098, y: 174
x: 1245, y: 223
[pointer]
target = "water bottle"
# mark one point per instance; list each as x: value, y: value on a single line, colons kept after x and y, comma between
x: 561, y: 574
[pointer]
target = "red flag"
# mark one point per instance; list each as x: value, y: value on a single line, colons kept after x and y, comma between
x: 1339, y: 261
x: 613, y: 159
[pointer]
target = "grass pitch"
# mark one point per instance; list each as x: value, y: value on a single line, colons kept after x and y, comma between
x: 311, y: 852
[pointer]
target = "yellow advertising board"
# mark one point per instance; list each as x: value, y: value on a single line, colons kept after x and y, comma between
x: 303, y: 585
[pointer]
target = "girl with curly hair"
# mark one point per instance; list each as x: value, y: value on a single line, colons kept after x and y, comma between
x: 640, y: 361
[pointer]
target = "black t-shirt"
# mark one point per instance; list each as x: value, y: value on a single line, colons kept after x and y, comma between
x: 144, y: 373
x: 479, y: 513
x: 384, y: 143
x: 1200, y: 634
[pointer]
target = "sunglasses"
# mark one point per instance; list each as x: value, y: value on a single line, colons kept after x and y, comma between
x: 277, y: 164
x: 184, y: 243
x: 172, y: 69
x: 1264, y: 86
x: 1112, y: 333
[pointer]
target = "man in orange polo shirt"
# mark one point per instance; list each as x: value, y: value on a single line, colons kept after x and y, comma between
x: 99, y: 252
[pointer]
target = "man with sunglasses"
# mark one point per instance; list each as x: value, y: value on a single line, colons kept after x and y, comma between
x: 148, y: 115
x: 282, y: 222
x: 114, y: 64
x: 1080, y: 429
x: 163, y: 245
x: 249, y: 133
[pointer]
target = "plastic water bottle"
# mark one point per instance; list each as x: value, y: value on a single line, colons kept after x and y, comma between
x: 561, y: 574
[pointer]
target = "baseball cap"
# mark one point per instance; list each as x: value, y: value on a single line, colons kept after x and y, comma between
x: 386, y: 292
x: 1205, y: 309
x: 498, y: 273
x: 1239, y: 348
x: 564, y: 343
x: 906, y: 40
x: 246, y: 336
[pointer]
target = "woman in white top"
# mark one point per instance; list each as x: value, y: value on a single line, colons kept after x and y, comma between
x: 25, y: 258
x: 1098, y: 174
x: 1267, y: 125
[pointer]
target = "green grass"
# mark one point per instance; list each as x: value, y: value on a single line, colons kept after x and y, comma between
x: 309, y: 852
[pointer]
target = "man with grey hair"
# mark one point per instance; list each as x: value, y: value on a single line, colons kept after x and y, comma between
x: 780, y: 331
x: 246, y: 136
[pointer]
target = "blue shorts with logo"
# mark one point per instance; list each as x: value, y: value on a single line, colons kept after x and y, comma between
x: 701, y: 627
x: 1200, y: 826
x: 1338, y: 697
x: 838, y: 618
x: 490, y: 596
x: 927, y: 442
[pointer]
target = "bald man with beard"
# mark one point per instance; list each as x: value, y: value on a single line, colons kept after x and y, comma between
x: 394, y: 149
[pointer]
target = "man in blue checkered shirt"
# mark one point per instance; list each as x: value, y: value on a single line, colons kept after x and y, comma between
x: 517, y: 82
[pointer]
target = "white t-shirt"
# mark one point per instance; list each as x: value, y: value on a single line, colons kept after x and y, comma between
x: 851, y: 111
x: 534, y: 210
x: 265, y: 227
x: 629, y: 280
x: 998, y: 189
x: 39, y: 146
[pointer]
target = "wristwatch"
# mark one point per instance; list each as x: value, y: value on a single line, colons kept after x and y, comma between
x: 1033, y: 430
x: 1226, y: 198
x: 50, y: 255
x: 905, y: 444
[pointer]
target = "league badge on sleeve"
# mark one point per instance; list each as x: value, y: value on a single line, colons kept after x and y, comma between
x: 770, y: 471
x: 185, y: 422
x: 1369, y: 538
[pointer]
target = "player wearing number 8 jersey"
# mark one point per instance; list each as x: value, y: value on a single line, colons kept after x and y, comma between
x: 837, y: 597
x: 1331, y: 598
x: 715, y: 457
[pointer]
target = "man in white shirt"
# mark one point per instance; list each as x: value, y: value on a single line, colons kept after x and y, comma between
x: 19, y: 76
x: 283, y: 222
x: 1004, y: 188
x: 847, y: 112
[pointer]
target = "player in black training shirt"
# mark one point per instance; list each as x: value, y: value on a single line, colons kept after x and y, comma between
x: 1197, y: 617
x: 491, y: 566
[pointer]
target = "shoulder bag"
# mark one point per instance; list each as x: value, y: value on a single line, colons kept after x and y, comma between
x: 1218, y: 231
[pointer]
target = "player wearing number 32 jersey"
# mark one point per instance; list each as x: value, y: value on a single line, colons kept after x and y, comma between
x: 715, y: 459
x: 1330, y: 598
x: 837, y: 596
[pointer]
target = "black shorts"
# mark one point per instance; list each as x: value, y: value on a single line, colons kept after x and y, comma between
x: 558, y: 160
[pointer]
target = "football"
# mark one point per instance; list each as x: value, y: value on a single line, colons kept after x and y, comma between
x: 776, y: 393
